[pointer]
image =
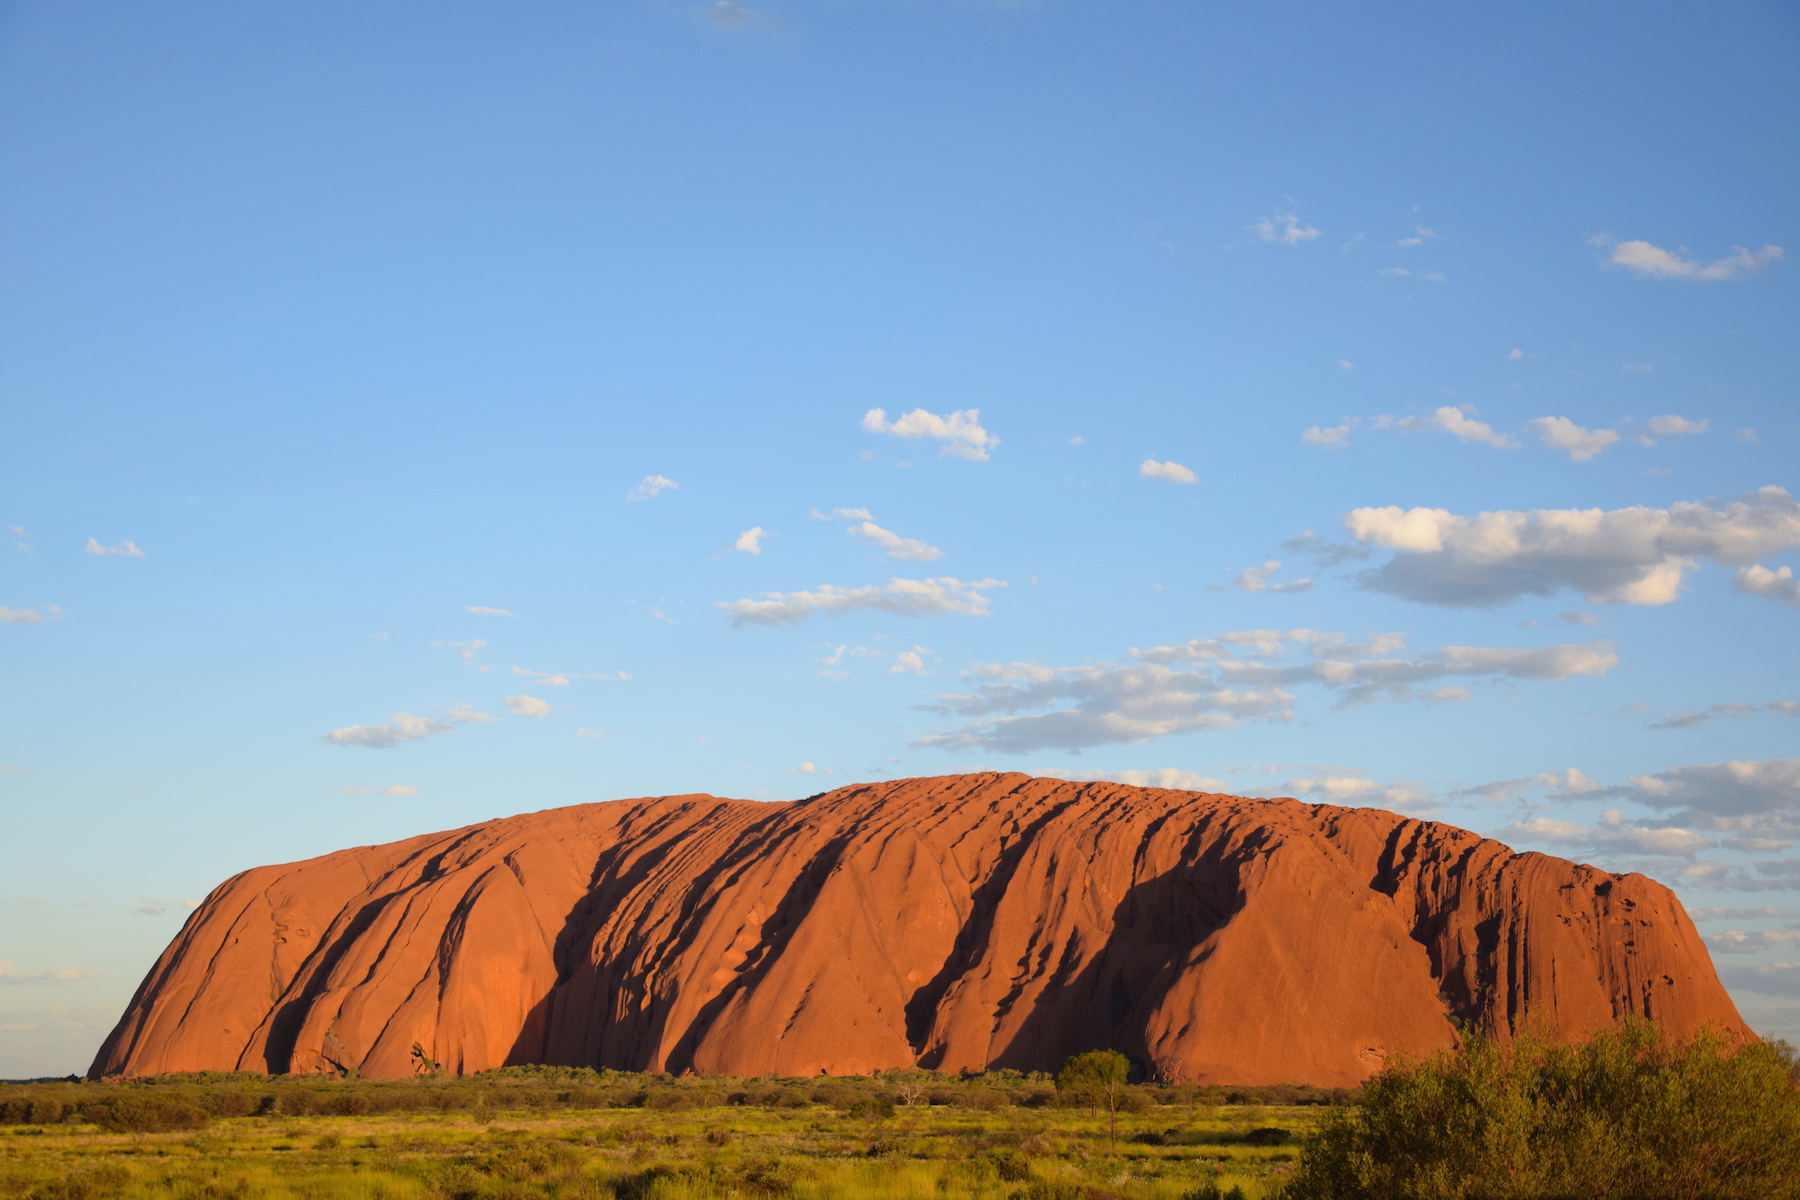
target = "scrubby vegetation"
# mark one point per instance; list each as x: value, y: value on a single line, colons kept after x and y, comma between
x: 530, y: 1133
x: 1626, y: 1114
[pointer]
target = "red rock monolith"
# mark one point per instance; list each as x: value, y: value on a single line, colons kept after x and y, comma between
x: 956, y: 923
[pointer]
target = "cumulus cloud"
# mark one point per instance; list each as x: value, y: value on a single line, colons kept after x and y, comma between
x: 1284, y: 227
x: 1771, y: 979
x: 1713, y: 712
x: 1653, y: 262
x: 1215, y: 683
x: 651, y: 487
x: 895, y: 546
x: 1455, y: 421
x: 123, y: 549
x: 1334, y: 437
x: 1748, y: 797
x: 526, y: 706
x: 898, y: 597
x: 908, y: 660
x: 1256, y: 579
x: 750, y: 541
x: 1565, y: 435
x: 1633, y: 555
x: 1778, y: 585
x: 1614, y: 834
x: 404, y: 727
x: 960, y: 432
x: 482, y: 610
x: 1171, y: 471
x: 11, y: 974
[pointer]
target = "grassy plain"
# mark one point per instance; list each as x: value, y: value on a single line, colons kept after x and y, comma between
x: 637, y: 1138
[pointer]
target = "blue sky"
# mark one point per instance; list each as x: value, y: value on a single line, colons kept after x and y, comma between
x: 341, y: 350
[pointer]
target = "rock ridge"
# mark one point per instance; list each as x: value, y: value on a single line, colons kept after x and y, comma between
x: 956, y: 923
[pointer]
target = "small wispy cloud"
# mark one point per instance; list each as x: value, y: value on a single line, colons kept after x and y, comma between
x: 1284, y: 227
x: 1725, y: 711
x: 898, y: 597
x: 466, y: 651
x: 392, y: 789
x: 651, y: 486
x: 1578, y: 443
x: 1256, y: 579
x: 960, y: 432
x: 1648, y: 261
x: 28, y: 616
x: 482, y: 610
x: 910, y: 660
x: 11, y: 974
x: 126, y: 549
x: 564, y: 679
x: 750, y: 541
x: 1334, y: 437
x: 404, y: 727
x: 1456, y: 421
x: 842, y: 514
x: 1170, y: 472
x: 895, y: 546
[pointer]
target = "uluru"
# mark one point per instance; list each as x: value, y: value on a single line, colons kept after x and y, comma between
x: 957, y: 923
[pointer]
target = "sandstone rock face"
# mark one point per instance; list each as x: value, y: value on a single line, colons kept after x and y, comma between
x: 955, y: 923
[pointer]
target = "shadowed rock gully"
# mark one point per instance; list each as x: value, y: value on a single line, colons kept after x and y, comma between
x: 961, y: 922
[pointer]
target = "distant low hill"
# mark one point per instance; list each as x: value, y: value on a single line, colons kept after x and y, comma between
x: 957, y: 923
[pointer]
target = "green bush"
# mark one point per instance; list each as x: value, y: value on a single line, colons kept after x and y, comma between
x: 96, y: 1183
x: 144, y: 1112
x: 1626, y: 1114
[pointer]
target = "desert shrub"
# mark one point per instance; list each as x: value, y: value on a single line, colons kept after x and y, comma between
x: 675, y: 1100
x: 1045, y: 1189
x: 229, y: 1104
x: 1210, y: 1191
x: 1269, y: 1135
x: 145, y: 1112
x: 764, y: 1176
x: 872, y: 1108
x: 1626, y: 1114
x: 96, y: 1183
x: 1012, y: 1166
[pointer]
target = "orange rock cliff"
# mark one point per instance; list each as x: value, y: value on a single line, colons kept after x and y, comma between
x: 956, y: 923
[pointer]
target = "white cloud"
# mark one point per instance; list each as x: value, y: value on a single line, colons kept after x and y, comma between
x: 463, y: 650
x: 394, y: 789
x: 750, y: 541
x: 1162, y: 777
x: 25, y: 616
x: 910, y: 660
x: 1284, y: 227
x: 1778, y: 585
x: 1753, y: 796
x: 1448, y: 695
x: 1653, y: 262
x: 526, y: 706
x: 123, y: 549
x: 843, y: 514
x: 11, y: 974
x: 1624, y: 556
x: 1713, y: 712
x: 1214, y: 683
x: 1673, y: 426
x: 651, y: 486
x: 1699, y: 915
x: 1256, y: 579
x: 1748, y: 434
x: 482, y: 610
x: 592, y: 733
x: 1515, y: 354
x: 1174, y: 472
x: 961, y: 431
x: 1455, y: 421
x: 1565, y: 435
x: 404, y: 727
x: 907, y: 549
x: 1735, y: 941
x: 562, y: 679
x: 806, y: 768
x: 1335, y: 437
x: 899, y: 597
x: 1769, y: 979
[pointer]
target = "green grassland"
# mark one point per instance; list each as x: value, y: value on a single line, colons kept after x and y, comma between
x: 538, y: 1132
